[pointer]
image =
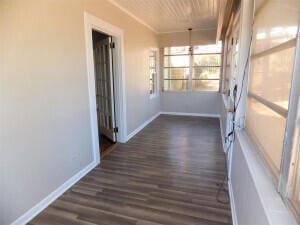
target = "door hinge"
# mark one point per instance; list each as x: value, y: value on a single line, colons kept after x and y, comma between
x: 112, y: 44
x: 116, y: 129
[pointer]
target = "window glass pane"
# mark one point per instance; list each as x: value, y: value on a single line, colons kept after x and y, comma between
x: 206, y: 65
x: 205, y: 85
x: 152, y: 71
x: 266, y: 128
x: 271, y: 76
x: 152, y: 61
x: 206, y: 72
x: 176, y: 61
x: 151, y: 86
x: 207, y: 60
x: 175, y: 85
x: 176, y: 50
x: 208, y: 48
x: 176, y: 73
x: 271, y: 30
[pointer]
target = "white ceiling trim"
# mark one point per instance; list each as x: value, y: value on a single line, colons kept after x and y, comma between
x: 133, y: 16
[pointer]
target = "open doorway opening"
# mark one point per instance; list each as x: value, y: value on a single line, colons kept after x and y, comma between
x: 105, y: 91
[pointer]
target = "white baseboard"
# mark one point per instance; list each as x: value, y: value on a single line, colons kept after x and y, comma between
x: 168, y: 113
x: 222, y: 135
x: 232, y: 204
x: 191, y: 114
x: 35, y: 210
x: 142, y: 126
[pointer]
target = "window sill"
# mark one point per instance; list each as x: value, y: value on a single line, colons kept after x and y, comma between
x: 275, y: 209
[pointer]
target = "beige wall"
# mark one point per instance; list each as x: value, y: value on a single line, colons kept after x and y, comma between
x: 199, y: 102
x: 138, y: 40
x: 200, y: 37
x: 45, y: 135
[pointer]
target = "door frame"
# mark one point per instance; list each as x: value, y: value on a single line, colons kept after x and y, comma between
x: 94, y: 23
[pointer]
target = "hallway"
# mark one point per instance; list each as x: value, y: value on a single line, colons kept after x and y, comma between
x: 165, y: 175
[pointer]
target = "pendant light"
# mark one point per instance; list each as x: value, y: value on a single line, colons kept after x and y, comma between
x: 190, y: 41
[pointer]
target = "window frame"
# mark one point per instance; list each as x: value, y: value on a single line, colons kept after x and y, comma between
x: 155, y: 80
x: 290, y: 159
x: 290, y: 162
x: 232, y: 38
x: 280, y: 179
x: 191, y: 67
x: 286, y: 180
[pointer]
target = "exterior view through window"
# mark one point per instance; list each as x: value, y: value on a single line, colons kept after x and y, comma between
x: 192, y: 69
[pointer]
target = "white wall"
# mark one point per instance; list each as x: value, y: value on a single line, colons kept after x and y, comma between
x: 191, y: 102
x: 198, y: 37
x: 248, y: 206
x: 45, y: 134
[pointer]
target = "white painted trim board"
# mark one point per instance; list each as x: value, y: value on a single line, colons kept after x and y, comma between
x: 35, y: 210
x: 232, y: 204
x: 142, y: 126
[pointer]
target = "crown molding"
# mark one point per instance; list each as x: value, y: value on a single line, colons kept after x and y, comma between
x: 133, y: 16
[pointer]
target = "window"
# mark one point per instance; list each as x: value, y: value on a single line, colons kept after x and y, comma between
x: 152, y: 72
x: 231, y: 53
x: 196, y: 69
x: 271, y: 70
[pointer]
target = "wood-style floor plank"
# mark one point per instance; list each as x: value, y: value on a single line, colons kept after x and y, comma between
x: 165, y: 175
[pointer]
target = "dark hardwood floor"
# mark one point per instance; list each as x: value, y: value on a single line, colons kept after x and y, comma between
x: 165, y: 175
x: 105, y: 145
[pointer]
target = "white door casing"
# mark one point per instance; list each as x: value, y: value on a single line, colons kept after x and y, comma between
x: 93, y: 23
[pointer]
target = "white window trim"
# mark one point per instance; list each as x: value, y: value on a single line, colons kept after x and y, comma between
x: 288, y: 164
x: 190, y: 79
x: 273, y: 198
x: 275, y: 208
x: 155, y: 94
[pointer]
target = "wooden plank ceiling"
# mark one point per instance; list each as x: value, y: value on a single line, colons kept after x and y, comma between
x: 173, y: 15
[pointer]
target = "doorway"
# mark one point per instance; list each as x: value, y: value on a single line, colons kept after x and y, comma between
x: 105, y: 91
x: 93, y: 23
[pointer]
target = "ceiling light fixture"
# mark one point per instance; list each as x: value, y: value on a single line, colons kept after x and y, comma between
x: 190, y: 41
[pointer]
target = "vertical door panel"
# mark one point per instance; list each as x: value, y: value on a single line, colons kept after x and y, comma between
x: 105, y: 88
